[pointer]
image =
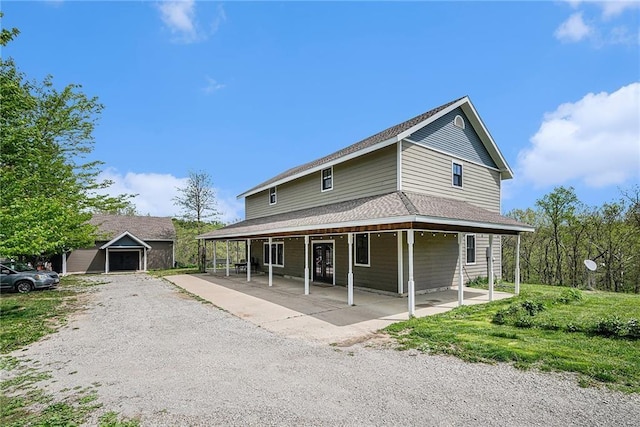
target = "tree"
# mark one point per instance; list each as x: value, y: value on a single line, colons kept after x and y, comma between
x: 47, y: 190
x: 198, y: 203
x: 559, y: 207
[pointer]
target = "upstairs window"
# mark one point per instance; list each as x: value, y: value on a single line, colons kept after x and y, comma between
x: 327, y: 179
x: 273, y: 196
x: 362, y: 249
x: 457, y: 175
x: 458, y: 122
x: 471, y: 248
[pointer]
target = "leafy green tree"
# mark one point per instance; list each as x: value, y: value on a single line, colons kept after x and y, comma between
x: 197, y: 199
x: 559, y: 208
x: 47, y: 189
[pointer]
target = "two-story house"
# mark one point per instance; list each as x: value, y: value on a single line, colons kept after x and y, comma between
x: 413, y: 208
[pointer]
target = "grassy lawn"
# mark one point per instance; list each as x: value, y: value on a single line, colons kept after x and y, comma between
x: 593, y: 334
x: 26, y: 318
x: 174, y: 271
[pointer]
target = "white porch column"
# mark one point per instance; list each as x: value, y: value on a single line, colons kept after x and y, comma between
x: 517, y: 272
x: 270, y: 262
x: 106, y: 261
x: 411, y: 284
x: 350, y: 274
x: 145, y: 259
x: 215, y: 256
x: 490, y: 261
x: 400, y: 264
x: 64, y: 263
x: 306, y: 265
x: 248, y: 260
x: 227, y: 258
x: 460, y: 272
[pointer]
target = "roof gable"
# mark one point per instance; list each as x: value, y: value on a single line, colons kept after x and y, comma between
x: 125, y: 239
x: 144, y: 227
x: 442, y: 135
x: 391, y: 136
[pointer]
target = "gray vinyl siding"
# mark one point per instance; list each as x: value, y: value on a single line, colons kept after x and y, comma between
x: 479, y: 268
x: 160, y: 255
x: 463, y: 143
x: 368, y: 175
x: 430, y: 172
x: 435, y: 260
x: 382, y: 273
x: 126, y: 241
x: 86, y: 260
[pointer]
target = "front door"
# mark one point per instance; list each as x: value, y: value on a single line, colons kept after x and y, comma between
x: 323, y: 262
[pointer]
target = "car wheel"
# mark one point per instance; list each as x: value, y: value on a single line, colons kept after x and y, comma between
x: 23, y: 287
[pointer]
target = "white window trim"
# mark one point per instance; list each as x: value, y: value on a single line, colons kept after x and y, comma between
x: 466, y: 249
x: 453, y: 162
x: 322, y: 189
x: 464, y: 125
x: 265, y: 249
x: 355, y: 246
x: 275, y: 193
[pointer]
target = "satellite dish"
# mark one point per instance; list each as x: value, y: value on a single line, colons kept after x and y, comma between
x: 591, y: 265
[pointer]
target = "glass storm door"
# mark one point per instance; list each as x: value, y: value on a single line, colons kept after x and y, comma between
x: 323, y: 262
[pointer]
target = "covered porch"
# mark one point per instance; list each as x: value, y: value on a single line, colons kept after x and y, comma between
x: 323, y: 315
x: 418, y: 242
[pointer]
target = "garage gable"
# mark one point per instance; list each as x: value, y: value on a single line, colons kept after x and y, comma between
x: 125, y: 240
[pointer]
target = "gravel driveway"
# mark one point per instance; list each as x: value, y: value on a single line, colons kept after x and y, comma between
x: 171, y: 360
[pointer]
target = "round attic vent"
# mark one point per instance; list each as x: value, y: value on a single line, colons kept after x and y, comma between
x: 458, y: 122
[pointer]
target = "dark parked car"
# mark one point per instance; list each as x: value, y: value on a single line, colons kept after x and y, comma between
x: 23, y: 278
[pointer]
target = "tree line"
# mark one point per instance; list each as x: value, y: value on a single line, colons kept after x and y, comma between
x: 568, y: 232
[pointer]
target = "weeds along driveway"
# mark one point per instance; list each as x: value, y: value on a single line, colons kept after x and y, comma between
x: 159, y: 354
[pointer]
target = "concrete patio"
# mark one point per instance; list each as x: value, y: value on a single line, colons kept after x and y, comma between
x: 323, y: 316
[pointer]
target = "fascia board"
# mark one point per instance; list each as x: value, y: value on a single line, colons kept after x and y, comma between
x: 486, y: 139
x: 431, y: 119
x: 126, y: 233
x: 339, y: 160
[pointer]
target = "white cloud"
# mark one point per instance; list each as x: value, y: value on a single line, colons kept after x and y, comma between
x: 613, y: 8
x: 220, y: 18
x: 212, y: 86
x: 595, y: 140
x: 573, y: 29
x: 599, y: 31
x: 155, y: 193
x: 180, y: 17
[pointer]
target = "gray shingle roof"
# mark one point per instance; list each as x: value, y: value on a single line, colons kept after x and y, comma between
x: 385, y: 208
x: 143, y: 227
x: 358, y: 146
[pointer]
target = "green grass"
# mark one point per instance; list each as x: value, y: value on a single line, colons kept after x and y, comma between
x: 174, y: 271
x: 26, y: 318
x: 548, y: 328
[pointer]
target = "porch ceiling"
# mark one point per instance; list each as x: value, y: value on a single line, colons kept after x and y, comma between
x: 392, y: 211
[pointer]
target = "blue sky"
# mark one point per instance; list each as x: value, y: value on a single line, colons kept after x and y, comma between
x: 246, y: 90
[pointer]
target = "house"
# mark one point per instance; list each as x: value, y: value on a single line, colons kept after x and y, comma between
x: 413, y: 208
x: 125, y: 243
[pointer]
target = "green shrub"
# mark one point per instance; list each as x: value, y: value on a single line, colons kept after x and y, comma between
x: 532, y: 307
x: 524, y: 322
x: 478, y: 281
x: 610, y: 326
x: 569, y: 295
x: 632, y: 328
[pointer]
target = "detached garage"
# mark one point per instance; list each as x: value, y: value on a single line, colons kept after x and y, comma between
x: 125, y: 243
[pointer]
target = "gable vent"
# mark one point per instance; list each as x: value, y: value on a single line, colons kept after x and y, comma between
x: 458, y: 122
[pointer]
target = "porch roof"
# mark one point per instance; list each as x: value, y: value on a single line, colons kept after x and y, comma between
x: 391, y: 211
